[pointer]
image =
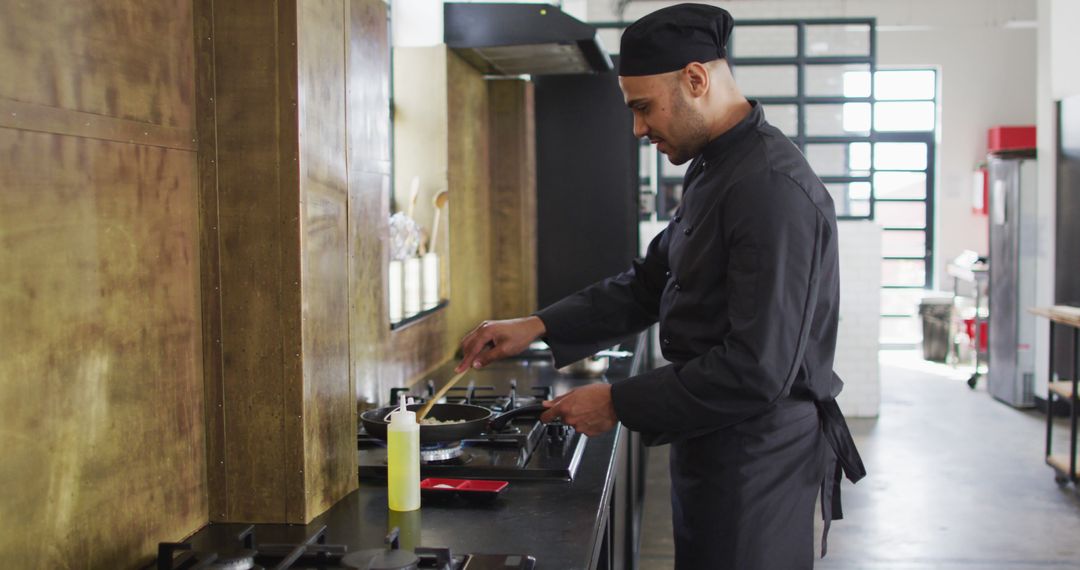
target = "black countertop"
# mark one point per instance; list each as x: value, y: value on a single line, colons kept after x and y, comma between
x: 557, y: 522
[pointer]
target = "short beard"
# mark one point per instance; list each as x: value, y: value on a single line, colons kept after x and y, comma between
x: 691, y: 130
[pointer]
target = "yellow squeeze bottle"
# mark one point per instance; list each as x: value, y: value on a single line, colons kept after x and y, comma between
x: 403, y: 460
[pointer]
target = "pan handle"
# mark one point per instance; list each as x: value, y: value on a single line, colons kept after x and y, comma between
x: 500, y: 421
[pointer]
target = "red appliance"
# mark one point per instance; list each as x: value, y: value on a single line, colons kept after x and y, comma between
x: 1005, y: 138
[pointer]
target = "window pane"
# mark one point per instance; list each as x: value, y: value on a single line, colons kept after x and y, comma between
x: 857, y: 84
x: 767, y: 80
x: 911, y: 116
x: 859, y: 156
x: 847, y: 39
x: 900, y: 185
x: 827, y: 159
x: 850, y: 199
x: 838, y: 80
x: 839, y: 159
x: 900, y: 301
x: 838, y: 120
x: 900, y: 156
x: 835, y: 120
x: 900, y: 214
x: 905, y: 84
x: 763, y: 41
x: 906, y: 243
x: 903, y: 272
x: 783, y: 117
x: 857, y: 117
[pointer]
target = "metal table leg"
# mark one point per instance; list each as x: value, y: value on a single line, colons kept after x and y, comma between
x: 1075, y: 400
x: 1050, y: 393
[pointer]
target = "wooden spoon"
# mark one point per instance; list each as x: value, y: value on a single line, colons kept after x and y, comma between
x: 439, y: 201
x: 438, y: 395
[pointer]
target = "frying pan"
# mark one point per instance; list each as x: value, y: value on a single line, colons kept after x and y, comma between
x: 475, y: 420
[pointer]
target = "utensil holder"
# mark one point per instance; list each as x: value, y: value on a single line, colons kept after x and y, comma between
x: 413, y: 286
x: 395, y: 290
x: 431, y: 280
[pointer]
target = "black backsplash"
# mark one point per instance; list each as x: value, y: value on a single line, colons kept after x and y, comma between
x: 586, y: 183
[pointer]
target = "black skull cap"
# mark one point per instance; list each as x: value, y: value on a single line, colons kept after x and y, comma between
x: 670, y: 38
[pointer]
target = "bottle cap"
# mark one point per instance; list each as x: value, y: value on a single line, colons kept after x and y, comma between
x: 402, y: 415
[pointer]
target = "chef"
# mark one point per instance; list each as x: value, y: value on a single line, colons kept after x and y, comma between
x: 744, y: 283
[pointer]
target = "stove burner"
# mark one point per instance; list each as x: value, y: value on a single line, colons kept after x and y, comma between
x: 441, y: 452
x: 381, y: 559
x: 238, y: 560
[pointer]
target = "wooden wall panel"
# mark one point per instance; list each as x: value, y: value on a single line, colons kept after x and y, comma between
x: 125, y: 59
x: 367, y: 60
x: 251, y: 204
x: 101, y: 400
x: 367, y: 57
x: 283, y: 439
x: 469, y: 178
x: 101, y: 406
x: 328, y: 410
x: 209, y: 259
x: 513, y: 198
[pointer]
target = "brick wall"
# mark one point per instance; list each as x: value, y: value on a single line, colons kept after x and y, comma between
x: 860, y: 305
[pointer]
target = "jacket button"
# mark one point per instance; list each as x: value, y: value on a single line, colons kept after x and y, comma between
x: 667, y: 341
x: 688, y: 230
x: 678, y: 287
x: 667, y: 274
x: 677, y: 218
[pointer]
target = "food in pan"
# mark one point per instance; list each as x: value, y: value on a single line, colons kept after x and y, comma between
x: 435, y: 422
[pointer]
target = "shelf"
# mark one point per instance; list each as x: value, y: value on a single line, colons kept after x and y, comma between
x: 1063, y: 388
x: 1060, y: 463
x: 1063, y: 314
x: 418, y: 316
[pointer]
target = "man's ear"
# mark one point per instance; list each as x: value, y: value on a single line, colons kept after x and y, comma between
x: 697, y: 78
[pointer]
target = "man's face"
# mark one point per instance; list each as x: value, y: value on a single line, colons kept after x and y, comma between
x: 665, y: 115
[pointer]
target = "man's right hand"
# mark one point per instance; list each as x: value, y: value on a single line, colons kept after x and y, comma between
x: 493, y: 340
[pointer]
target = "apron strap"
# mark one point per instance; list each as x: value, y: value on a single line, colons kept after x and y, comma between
x: 845, y: 461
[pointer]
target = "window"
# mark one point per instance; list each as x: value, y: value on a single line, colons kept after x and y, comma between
x: 905, y: 122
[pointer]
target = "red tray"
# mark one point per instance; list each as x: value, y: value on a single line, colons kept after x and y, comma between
x: 463, y: 487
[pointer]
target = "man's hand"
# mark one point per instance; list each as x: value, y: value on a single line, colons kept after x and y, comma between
x: 493, y: 340
x: 588, y: 409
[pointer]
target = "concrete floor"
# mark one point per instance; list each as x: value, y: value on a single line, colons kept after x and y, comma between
x: 957, y: 481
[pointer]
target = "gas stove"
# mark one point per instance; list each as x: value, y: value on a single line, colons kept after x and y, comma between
x: 241, y: 551
x: 525, y: 449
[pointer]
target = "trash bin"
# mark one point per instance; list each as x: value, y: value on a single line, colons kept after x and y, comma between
x: 937, y: 315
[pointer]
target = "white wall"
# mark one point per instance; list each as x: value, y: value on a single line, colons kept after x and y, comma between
x: 986, y: 52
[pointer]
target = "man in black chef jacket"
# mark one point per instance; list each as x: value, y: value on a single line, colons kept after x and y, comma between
x: 745, y: 285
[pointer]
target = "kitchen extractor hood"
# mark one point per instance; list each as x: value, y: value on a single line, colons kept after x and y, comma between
x: 520, y: 39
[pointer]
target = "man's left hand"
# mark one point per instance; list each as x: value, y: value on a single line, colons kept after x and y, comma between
x: 588, y: 409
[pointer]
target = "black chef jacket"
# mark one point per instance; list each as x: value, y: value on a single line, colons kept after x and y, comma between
x: 744, y: 282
